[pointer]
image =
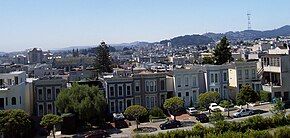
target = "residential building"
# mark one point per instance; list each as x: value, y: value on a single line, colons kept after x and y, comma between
x: 188, y: 82
x: 243, y: 73
x: 276, y: 72
x: 12, y: 90
x: 216, y: 79
x: 46, y: 90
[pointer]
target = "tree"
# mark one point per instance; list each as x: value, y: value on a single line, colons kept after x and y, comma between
x: 247, y: 95
x: 226, y: 104
x: 86, y: 102
x: 207, y: 60
x: 265, y: 96
x: 136, y: 111
x: 278, y: 108
x: 204, y: 99
x: 173, y: 105
x: 103, y: 58
x: 15, y: 123
x: 49, y: 121
x: 216, y: 116
x: 222, y: 52
x: 156, y: 112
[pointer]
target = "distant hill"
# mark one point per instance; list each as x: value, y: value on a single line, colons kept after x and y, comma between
x: 251, y: 34
x: 188, y: 40
x: 129, y: 45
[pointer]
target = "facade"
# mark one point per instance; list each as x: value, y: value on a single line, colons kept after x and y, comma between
x: 243, y: 73
x: 35, y: 56
x: 119, y: 93
x: 276, y: 72
x: 12, y: 90
x: 188, y: 83
x: 45, y: 93
x: 216, y: 78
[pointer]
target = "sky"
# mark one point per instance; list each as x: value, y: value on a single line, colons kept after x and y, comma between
x: 53, y: 24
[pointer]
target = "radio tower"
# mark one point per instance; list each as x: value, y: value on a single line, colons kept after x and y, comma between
x: 249, y: 21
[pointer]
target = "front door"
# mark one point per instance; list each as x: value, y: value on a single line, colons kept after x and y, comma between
x: 1, y: 103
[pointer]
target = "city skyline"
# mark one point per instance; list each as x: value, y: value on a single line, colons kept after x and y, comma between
x: 59, y: 24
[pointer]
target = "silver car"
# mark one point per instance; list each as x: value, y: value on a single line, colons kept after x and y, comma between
x: 243, y: 112
x: 191, y: 111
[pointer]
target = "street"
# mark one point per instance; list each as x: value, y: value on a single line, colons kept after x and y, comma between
x: 263, y: 110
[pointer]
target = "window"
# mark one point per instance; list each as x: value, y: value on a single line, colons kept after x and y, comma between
x: 147, y: 102
x: 216, y: 78
x: 186, y: 81
x: 147, y: 86
x: 152, y: 101
x: 120, y: 88
x: 57, y: 91
x: 112, y: 92
x: 13, y: 101
x: 9, y: 82
x: 128, y: 89
x: 137, y: 86
x: 225, y: 76
x: 16, y: 80
x: 137, y: 100
x: 253, y: 74
x: 155, y: 86
x: 240, y: 75
x: 151, y: 86
x: 1, y: 82
x: 49, y: 108
x: 19, y: 99
x: 211, y: 78
x: 178, y: 82
x: 246, y: 73
x: 187, y: 94
x: 216, y: 90
x: 179, y: 94
x: 40, y: 110
x: 112, y: 106
x: 40, y: 94
x: 120, y: 106
x: 48, y: 94
x: 129, y: 103
x: 194, y: 80
x: 6, y: 100
x: 162, y: 84
x: 212, y: 89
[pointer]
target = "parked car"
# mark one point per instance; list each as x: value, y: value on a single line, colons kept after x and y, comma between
x: 243, y: 112
x: 97, y: 134
x: 214, y: 107
x: 202, y: 118
x: 191, y: 111
x: 170, y: 124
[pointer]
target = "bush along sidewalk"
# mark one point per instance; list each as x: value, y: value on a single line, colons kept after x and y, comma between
x: 257, y: 126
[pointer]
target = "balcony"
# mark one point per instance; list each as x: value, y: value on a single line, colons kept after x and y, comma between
x: 271, y: 88
x: 275, y: 69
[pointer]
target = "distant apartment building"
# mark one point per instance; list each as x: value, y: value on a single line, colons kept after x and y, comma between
x: 46, y: 91
x: 216, y: 78
x: 243, y: 73
x: 188, y: 83
x: 276, y: 75
x: 35, y: 56
x: 12, y: 90
x: 20, y: 59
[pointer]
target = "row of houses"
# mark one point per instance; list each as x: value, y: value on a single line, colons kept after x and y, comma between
x: 151, y: 88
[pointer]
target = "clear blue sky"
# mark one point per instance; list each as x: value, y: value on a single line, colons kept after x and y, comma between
x: 53, y: 24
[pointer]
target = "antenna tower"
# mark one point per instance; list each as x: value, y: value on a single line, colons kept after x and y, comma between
x: 249, y: 21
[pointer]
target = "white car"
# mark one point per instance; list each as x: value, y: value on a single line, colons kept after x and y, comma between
x: 191, y: 111
x: 243, y: 112
x: 214, y: 106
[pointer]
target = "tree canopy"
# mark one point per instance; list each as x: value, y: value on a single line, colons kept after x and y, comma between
x: 173, y: 105
x: 136, y: 111
x: 103, y: 58
x: 86, y: 102
x: 204, y: 99
x: 15, y: 123
x: 49, y: 121
x: 222, y: 52
x: 247, y: 95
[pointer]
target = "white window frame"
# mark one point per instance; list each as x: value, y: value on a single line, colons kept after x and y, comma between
x: 129, y: 84
x: 46, y: 91
x: 161, y: 84
x: 119, y: 90
x: 186, y: 80
x: 111, y: 85
x: 56, y: 87
x: 49, y: 103
x: 135, y: 100
x: 137, y: 83
x: 123, y: 105
x: 127, y: 99
x: 112, y: 101
x: 37, y: 89
x: 38, y: 109
x: 194, y: 81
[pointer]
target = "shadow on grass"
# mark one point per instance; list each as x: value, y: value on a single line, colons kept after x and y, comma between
x: 259, y: 111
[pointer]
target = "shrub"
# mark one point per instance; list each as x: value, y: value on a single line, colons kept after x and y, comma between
x: 257, y: 134
x: 283, y: 132
x: 216, y: 116
x: 198, y: 130
x: 157, y: 112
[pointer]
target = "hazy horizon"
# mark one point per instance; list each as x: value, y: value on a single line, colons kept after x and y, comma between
x: 58, y: 24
